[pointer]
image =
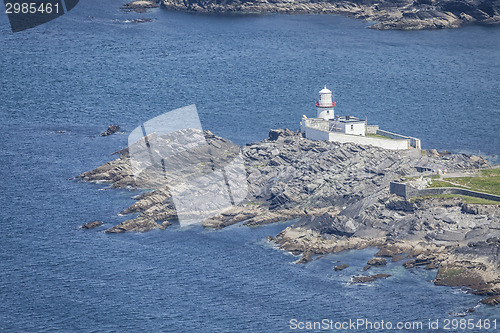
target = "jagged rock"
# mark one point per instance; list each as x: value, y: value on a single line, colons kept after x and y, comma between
x: 341, y: 267
x: 274, y: 134
x: 370, y: 278
x: 139, y: 6
x: 390, y: 250
x: 342, y: 225
x: 139, y: 224
x: 92, y: 225
x: 111, y: 130
x: 338, y: 193
x: 466, y: 274
x: 492, y: 300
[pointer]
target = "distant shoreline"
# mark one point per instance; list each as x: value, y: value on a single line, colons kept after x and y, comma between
x: 386, y: 15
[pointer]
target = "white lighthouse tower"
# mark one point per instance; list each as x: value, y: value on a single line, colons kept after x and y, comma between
x: 325, y: 104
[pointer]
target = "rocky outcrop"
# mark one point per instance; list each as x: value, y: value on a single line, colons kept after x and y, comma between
x: 436, y: 233
x: 140, y: 6
x: 288, y: 177
x: 140, y: 224
x: 389, y: 14
x: 337, y: 192
x: 493, y: 300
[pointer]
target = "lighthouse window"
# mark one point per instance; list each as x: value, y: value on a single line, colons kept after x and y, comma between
x: 352, y: 127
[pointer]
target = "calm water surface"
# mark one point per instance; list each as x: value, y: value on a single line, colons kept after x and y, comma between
x: 247, y: 74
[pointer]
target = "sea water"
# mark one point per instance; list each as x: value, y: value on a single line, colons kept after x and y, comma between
x: 65, y: 81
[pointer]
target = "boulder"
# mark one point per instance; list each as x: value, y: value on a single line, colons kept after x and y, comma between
x: 341, y: 267
x: 377, y: 262
x: 111, y: 130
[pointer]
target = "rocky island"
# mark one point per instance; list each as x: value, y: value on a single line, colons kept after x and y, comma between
x: 386, y: 14
x: 339, y: 195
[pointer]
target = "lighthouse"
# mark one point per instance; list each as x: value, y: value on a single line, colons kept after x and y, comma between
x: 325, y: 104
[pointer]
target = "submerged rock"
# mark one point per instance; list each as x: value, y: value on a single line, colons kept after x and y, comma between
x: 492, y: 300
x: 369, y: 278
x: 91, y: 225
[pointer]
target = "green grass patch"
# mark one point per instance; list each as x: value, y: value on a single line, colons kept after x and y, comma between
x: 466, y: 198
x: 444, y: 183
x: 257, y: 166
x: 488, y: 181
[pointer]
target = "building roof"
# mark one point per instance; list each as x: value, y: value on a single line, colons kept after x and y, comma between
x: 350, y: 119
x: 325, y: 90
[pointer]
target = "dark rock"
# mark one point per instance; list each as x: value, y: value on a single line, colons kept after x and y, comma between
x: 306, y: 257
x: 140, y: 224
x: 401, y: 205
x: 492, y: 300
x: 367, y: 267
x: 341, y: 225
x: 493, y: 240
x: 111, y: 130
x: 165, y: 225
x: 390, y: 14
x: 91, y: 225
x: 341, y: 267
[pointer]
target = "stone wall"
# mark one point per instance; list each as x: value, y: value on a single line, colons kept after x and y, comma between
x: 407, y: 191
x: 414, y: 142
x: 371, y: 129
x: 366, y: 140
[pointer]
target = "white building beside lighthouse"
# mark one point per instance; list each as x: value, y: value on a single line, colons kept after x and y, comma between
x: 327, y: 126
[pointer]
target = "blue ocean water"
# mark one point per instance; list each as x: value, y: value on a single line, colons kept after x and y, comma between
x: 246, y: 74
